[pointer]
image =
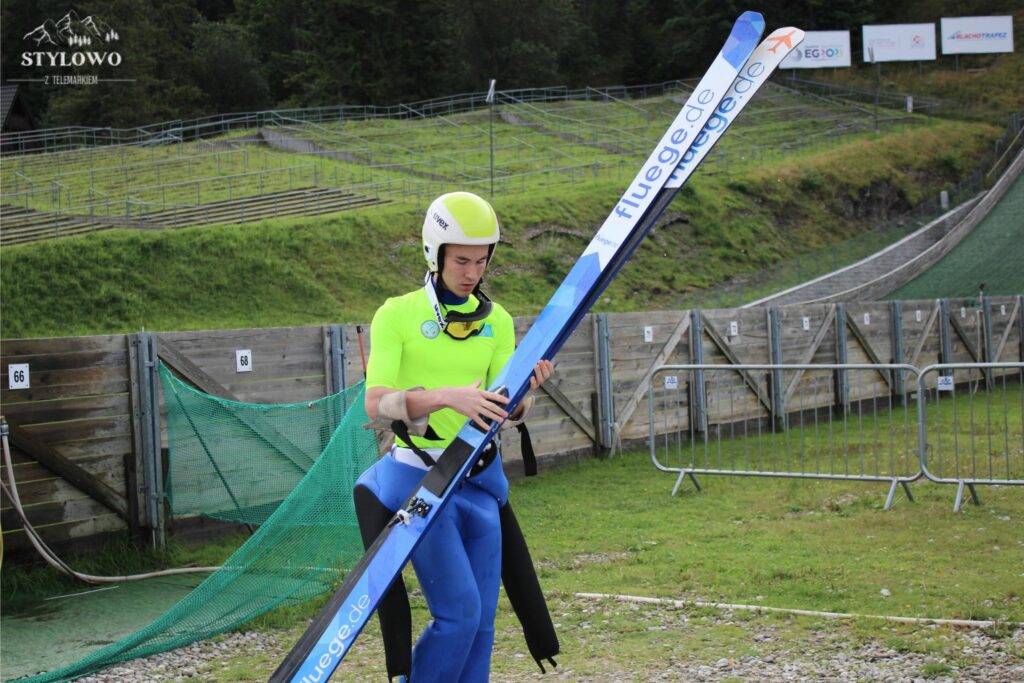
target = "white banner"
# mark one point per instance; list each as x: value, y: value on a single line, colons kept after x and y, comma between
x: 976, y: 35
x: 820, y: 49
x: 899, y: 42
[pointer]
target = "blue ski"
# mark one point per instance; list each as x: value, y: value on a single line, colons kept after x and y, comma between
x: 709, y: 110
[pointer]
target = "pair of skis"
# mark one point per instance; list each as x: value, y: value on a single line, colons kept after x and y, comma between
x: 738, y: 71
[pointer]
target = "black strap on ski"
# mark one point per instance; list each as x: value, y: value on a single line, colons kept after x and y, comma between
x: 401, y: 430
x: 526, y: 446
x: 523, y: 590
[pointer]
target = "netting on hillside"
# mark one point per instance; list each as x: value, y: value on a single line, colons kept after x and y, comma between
x: 989, y: 257
x: 302, y: 547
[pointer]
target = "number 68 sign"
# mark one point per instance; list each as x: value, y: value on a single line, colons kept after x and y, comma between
x: 243, y: 360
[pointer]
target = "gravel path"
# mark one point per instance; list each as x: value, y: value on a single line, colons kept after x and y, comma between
x: 780, y: 654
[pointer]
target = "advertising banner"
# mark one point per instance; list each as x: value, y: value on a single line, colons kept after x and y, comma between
x: 820, y: 49
x: 899, y: 42
x: 976, y: 35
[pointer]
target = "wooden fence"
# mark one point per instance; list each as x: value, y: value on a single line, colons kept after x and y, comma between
x: 78, y: 431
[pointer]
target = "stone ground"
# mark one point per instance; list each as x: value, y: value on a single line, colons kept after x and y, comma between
x: 822, y: 654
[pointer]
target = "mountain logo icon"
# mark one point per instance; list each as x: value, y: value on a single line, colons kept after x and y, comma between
x: 72, y: 31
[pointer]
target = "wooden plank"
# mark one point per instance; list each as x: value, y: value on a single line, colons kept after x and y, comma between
x: 57, y: 433
x: 659, y: 359
x: 748, y: 379
x: 867, y: 348
x: 189, y: 370
x: 75, y: 408
x: 137, y: 476
x: 103, y: 467
x: 41, y: 392
x: 819, y: 337
x: 965, y: 338
x: 266, y: 337
x: 45, y: 454
x: 52, y: 512
x: 325, y: 351
x: 1006, y: 332
x: 570, y: 410
x: 925, y: 334
x: 56, y: 535
x: 65, y: 361
x: 30, y: 348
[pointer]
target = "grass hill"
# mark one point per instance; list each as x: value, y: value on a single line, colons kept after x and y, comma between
x: 339, y: 268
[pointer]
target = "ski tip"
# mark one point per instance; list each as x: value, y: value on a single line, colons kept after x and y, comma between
x: 785, y: 39
x: 743, y: 39
x: 753, y: 18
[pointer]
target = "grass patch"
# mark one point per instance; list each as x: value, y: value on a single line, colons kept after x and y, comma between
x: 304, y: 271
x: 611, y: 526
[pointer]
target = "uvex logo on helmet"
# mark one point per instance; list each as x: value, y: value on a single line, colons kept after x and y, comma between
x: 440, y: 221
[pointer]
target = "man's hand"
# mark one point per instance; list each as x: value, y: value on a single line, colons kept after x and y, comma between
x: 541, y: 372
x: 476, y: 404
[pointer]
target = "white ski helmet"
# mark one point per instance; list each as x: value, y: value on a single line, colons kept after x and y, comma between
x: 458, y: 218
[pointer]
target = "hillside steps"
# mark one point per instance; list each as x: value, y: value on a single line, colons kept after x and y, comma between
x: 293, y: 144
x: 873, y: 267
x: 19, y: 225
x: 308, y: 201
x: 874, y: 277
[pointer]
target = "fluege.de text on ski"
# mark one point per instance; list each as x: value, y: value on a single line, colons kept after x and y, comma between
x: 667, y: 157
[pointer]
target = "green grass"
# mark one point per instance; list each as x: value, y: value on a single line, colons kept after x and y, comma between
x: 338, y: 268
x: 967, y: 434
x: 611, y: 527
x: 535, y: 144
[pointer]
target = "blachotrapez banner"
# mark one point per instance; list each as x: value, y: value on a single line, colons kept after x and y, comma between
x: 899, y: 42
x: 820, y: 49
x: 976, y: 35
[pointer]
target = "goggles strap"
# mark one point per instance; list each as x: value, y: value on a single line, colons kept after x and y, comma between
x: 483, y: 308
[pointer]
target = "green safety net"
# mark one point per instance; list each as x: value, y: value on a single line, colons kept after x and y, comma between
x: 259, y: 464
x: 237, y: 461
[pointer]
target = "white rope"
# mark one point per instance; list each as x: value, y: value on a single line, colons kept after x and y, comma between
x: 803, y: 612
x: 51, y: 557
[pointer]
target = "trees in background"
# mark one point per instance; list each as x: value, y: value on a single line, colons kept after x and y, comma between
x: 186, y: 58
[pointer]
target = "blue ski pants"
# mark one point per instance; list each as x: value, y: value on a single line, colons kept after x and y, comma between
x: 458, y: 564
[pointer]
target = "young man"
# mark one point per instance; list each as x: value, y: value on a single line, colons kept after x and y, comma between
x: 433, y: 351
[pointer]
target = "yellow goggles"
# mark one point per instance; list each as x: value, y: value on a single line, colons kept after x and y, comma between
x: 456, y: 324
x: 463, y: 330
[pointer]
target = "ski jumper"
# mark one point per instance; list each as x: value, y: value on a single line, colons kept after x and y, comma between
x: 459, y: 562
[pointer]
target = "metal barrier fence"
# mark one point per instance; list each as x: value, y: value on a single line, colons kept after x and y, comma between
x: 971, y: 425
x: 842, y: 422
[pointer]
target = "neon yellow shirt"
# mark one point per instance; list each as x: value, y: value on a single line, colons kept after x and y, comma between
x: 408, y: 349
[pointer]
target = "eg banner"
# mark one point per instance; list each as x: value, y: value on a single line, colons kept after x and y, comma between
x: 820, y: 49
x: 976, y: 35
x: 899, y: 42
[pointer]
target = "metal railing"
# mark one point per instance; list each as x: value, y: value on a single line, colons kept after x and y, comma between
x: 971, y: 426
x: 841, y: 421
x: 183, y: 130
